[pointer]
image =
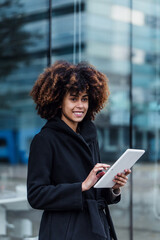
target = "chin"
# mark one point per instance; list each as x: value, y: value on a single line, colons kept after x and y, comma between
x: 78, y: 119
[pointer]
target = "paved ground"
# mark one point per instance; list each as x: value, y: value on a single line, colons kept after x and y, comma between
x: 146, y: 202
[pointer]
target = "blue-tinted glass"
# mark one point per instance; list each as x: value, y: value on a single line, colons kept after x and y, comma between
x: 23, y: 56
x: 146, y: 127
x: 24, y: 38
x: 107, y: 46
x: 98, y: 32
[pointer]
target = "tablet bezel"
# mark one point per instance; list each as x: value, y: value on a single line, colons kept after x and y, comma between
x: 106, y: 181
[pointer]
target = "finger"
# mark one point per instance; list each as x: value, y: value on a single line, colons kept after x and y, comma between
x: 122, y: 175
x: 104, y: 165
x: 120, y: 179
x: 96, y: 169
x: 127, y: 171
x: 100, y: 167
x: 100, y: 174
x: 119, y: 183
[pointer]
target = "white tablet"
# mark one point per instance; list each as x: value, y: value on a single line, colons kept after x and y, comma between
x: 126, y: 161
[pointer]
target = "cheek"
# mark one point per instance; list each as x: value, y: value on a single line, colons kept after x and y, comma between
x: 67, y: 106
x: 86, y: 107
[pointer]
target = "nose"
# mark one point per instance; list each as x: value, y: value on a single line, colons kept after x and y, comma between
x: 80, y: 104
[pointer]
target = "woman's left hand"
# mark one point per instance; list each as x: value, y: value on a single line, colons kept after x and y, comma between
x: 121, y: 179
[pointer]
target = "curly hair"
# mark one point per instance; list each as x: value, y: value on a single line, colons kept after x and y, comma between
x: 62, y: 77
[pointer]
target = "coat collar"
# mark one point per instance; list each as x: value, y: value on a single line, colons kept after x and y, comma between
x: 86, y: 127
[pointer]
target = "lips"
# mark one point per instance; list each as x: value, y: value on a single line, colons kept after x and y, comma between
x: 78, y: 114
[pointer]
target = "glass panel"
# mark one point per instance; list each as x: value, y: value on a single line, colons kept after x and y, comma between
x: 90, y: 30
x: 107, y: 47
x: 23, y: 55
x: 146, y: 92
x: 68, y: 31
x: 98, y: 32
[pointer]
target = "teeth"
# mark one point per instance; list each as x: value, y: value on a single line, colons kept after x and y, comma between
x: 78, y: 113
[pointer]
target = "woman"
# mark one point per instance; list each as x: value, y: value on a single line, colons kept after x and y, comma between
x: 64, y: 161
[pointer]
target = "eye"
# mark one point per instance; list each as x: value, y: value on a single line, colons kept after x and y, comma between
x: 73, y: 99
x: 84, y: 99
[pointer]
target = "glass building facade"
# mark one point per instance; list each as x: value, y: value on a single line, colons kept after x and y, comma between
x: 122, y: 39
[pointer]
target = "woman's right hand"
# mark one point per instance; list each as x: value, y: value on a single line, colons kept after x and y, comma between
x: 94, y: 176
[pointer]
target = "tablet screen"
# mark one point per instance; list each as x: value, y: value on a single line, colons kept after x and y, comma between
x: 126, y: 161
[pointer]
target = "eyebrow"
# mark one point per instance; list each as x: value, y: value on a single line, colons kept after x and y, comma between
x: 76, y: 95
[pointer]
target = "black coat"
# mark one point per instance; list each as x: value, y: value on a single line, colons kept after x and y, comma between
x: 59, y: 161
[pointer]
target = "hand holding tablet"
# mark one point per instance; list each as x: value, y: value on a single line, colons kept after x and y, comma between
x: 126, y: 161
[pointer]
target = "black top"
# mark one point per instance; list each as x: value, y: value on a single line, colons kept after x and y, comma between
x: 59, y: 161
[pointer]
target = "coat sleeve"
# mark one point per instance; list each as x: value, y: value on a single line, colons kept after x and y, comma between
x: 109, y: 197
x: 106, y: 193
x: 40, y: 192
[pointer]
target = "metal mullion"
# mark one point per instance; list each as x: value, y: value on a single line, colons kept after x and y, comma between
x: 49, y: 55
x: 131, y: 119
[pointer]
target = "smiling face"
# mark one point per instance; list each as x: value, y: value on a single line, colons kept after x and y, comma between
x: 74, y: 108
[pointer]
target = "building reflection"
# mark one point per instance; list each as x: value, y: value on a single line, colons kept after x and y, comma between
x: 100, y: 32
